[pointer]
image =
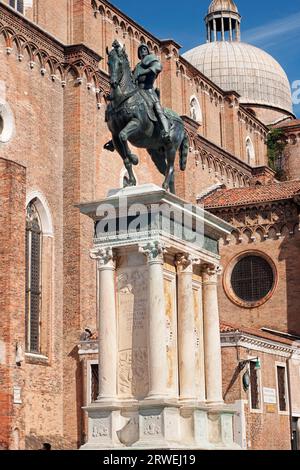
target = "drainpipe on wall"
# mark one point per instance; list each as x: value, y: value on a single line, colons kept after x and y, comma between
x: 290, y: 400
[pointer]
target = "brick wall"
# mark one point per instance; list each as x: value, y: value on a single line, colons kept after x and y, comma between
x: 266, y: 428
x: 12, y: 284
x: 280, y: 312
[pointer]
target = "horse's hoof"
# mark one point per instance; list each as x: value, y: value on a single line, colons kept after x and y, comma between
x: 134, y: 159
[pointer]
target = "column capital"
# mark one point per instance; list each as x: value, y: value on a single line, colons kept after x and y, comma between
x: 210, y: 272
x: 104, y: 257
x: 185, y: 262
x: 154, y: 251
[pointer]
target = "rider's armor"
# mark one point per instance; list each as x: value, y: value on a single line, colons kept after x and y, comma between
x: 145, y: 75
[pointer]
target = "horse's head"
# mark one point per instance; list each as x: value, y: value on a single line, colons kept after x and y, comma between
x: 116, y: 59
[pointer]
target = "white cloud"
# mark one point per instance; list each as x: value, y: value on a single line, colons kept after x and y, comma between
x: 274, y: 30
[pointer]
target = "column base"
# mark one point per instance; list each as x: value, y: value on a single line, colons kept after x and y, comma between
x: 168, y: 424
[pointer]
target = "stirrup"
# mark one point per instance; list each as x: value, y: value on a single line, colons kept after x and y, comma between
x: 166, y: 136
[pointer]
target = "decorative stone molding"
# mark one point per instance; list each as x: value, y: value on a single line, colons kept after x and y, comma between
x: 123, y: 25
x: 48, y: 53
x: 154, y: 251
x: 185, y: 262
x: 258, y: 223
x: 210, y: 271
x: 248, y: 341
x: 43, y: 209
x: 104, y: 257
x: 216, y: 160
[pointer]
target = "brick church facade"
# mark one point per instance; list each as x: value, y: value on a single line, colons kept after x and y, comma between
x: 53, y: 86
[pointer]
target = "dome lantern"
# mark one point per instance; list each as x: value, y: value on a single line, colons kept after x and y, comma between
x: 223, y: 21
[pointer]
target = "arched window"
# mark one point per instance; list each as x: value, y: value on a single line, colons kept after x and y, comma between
x: 17, y: 5
x: 33, y: 278
x: 250, y: 152
x: 39, y: 275
x: 7, y: 122
x: 195, y: 110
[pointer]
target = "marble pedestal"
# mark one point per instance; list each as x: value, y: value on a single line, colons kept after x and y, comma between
x: 160, y: 377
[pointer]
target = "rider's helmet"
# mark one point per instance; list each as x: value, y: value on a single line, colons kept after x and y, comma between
x: 141, y: 46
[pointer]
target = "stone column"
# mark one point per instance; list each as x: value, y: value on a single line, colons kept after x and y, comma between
x: 107, y: 324
x: 215, y: 29
x: 208, y: 33
x: 223, y: 29
x: 230, y: 29
x: 212, y: 342
x: 238, y: 31
x: 298, y: 434
x: 186, y: 328
x: 158, y: 365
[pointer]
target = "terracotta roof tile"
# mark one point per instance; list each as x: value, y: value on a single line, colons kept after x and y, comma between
x: 227, y: 328
x: 292, y: 123
x: 253, y: 195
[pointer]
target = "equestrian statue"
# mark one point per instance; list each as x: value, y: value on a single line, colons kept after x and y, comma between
x: 134, y: 114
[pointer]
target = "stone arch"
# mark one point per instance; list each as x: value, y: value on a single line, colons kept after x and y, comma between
x: 7, y: 122
x: 250, y: 152
x: 195, y: 109
x: 272, y: 233
x: 101, y: 10
x: 43, y: 210
x: 260, y: 234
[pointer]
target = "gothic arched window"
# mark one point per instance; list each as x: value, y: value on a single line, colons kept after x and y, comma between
x: 33, y: 278
x: 250, y: 151
x: 195, y: 110
x: 17, y: 5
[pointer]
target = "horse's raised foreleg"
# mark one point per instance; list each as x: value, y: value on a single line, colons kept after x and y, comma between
x: 130, y: 129
x: 169, y: 177
x: 128, y: 165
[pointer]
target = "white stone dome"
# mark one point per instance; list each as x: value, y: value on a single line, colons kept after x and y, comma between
x: 240, y: 67
x: 222, y: 5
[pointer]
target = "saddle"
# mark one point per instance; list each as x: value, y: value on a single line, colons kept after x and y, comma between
x: 149, y: 105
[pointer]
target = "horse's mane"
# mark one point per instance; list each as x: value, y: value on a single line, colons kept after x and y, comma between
x: 122, y: 53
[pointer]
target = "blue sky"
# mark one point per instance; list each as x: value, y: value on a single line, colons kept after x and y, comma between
x: 265, y: 24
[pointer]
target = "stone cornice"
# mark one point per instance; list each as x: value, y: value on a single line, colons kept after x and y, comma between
x: 215, y: 159
x: 43, y: 50
x: 96, y: 4
x: 260, y: 221
x: 248, y: 341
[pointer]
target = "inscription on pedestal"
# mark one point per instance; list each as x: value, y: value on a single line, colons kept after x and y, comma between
x: 132, y: 324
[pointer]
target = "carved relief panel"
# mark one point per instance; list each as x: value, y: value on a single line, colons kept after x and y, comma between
x: 132, y: 291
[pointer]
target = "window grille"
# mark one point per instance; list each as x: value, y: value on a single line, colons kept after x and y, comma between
x: 33, y: 279
x: 252, y: 278
x: 94, y: 382
x: 254, y: 387
x: 281, y: 388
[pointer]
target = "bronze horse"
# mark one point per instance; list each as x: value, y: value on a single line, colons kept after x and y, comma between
x: 129, y: 119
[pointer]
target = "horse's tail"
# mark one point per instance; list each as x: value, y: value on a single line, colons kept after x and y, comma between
x: 184, y: 151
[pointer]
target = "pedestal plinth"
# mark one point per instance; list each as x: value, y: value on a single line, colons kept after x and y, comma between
x: 158, y: 320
